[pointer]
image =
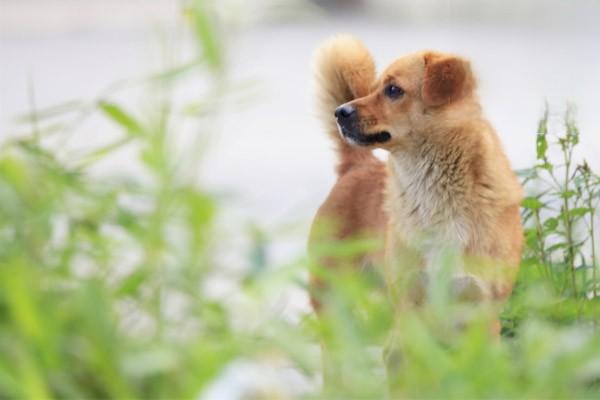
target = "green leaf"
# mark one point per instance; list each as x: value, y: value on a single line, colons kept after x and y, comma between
x: 546, y: 165
x: 551, y: 224
x: 541, y: 146
x: 579, y: 211
x: 130, y: 285
x: 567, y: 194
x: 121, y: 117
x: 532, y: 203
x: 204, y: 29
x: 543, y: 124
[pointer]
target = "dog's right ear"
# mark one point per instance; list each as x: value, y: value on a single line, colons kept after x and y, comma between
x: 446, y: 79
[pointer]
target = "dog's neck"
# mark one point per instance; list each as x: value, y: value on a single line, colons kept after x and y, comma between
x: 430, y: 184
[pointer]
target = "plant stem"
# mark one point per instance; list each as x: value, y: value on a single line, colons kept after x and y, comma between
x: 567, y: 152
x: 540, y: 239
x: 592, y: 232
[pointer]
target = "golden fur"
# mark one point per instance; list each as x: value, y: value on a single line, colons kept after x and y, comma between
x: 447, y: 182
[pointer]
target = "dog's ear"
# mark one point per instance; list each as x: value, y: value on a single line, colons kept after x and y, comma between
x: 446, y: 79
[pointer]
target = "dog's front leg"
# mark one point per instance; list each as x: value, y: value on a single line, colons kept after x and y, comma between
x: 407, y: 283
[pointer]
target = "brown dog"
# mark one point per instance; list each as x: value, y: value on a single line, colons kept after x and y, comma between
x: 447, y: 183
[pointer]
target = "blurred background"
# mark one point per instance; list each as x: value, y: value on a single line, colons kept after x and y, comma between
x: 266, y: 157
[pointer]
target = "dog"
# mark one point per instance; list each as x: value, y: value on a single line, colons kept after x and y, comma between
x: 447, y: 182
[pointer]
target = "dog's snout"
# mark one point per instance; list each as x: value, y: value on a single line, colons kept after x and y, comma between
x: 345, y: 112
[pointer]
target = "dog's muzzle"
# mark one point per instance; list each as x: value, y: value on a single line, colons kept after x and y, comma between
x: 348, y: 123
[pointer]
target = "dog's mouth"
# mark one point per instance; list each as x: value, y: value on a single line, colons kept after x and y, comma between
x: 355, y: 136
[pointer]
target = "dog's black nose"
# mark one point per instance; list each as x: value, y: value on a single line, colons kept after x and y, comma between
x: 345, y: 112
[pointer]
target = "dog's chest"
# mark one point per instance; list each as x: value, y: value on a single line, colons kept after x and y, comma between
x: 425, y: 212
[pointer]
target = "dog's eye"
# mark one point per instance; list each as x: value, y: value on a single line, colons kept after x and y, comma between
x: 393, y: 91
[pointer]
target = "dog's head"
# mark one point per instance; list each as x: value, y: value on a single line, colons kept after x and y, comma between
x: 412, y: 94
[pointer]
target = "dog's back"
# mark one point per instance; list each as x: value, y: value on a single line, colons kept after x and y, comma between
x: 345, y: 71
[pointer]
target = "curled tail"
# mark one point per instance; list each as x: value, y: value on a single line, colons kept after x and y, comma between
x: 344, y: 71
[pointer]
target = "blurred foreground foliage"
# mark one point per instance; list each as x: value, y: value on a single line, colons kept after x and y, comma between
x: 104, y: 277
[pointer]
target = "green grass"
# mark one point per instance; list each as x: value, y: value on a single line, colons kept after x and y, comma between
x: 103, y: 276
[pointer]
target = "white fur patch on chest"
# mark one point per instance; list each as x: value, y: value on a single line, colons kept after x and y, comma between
x: 426, y: 217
